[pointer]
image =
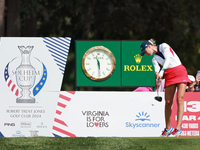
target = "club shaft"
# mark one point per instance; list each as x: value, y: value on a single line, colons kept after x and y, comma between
x: 158, y: 87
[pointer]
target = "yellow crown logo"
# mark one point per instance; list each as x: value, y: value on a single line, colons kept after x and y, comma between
x: 138, y: 58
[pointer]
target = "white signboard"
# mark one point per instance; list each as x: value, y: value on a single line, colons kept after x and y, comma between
x: 83, y: 114
x: 31, y: 74
x: 120, y: 114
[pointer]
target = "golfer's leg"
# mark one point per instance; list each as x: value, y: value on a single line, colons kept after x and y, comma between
x: 169, y: 96
x: 180, y: 103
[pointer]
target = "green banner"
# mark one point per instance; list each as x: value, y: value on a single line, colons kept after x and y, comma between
x: 136, y: 70
x: 112, y: 63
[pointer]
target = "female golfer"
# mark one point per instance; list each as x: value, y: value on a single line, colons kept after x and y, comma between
x: 175, y: 77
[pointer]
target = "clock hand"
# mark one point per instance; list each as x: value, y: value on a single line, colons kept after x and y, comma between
x: 98, y: 63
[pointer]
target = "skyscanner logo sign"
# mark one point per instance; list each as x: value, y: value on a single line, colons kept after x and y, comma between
x: 142, y: 120
x: 142, y: 116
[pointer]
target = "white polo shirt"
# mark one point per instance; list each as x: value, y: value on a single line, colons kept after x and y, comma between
x: 166, y: 57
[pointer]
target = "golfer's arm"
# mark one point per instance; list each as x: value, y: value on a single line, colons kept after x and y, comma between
x: 155, y: 64
x: 166, y: 54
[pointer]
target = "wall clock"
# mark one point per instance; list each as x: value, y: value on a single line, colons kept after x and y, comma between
x: 98, y: 63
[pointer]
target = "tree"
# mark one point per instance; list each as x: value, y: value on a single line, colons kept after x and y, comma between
x: 13, y: 18
x: 174, y: 22
x: 28, y: 12
x: 2, y: 22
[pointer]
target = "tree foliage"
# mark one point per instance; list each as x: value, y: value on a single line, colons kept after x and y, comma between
x: 174, y: 22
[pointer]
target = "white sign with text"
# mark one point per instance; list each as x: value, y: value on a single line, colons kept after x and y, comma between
x: 31, y: 74
x: 120, y: 114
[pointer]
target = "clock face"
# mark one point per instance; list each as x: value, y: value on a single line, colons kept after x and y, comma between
x: 98, y: 63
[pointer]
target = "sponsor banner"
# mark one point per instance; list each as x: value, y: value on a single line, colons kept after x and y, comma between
x: 135, y: 66
x: 31, y: 74
x: 112, y: 63
x: 121, y: 114
x: 97, y: 114
x: 191, y: 118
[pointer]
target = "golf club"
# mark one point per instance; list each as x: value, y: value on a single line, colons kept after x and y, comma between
x: 158, y: 98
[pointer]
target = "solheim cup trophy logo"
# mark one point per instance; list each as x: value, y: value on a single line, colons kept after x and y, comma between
x: 25, y: 75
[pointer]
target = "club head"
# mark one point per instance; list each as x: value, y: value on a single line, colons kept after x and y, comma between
x: 158, y: 98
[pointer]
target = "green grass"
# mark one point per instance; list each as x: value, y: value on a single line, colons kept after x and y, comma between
x: 100, y: 143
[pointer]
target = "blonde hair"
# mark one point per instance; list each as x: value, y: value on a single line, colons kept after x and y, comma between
x: 152, y: 41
